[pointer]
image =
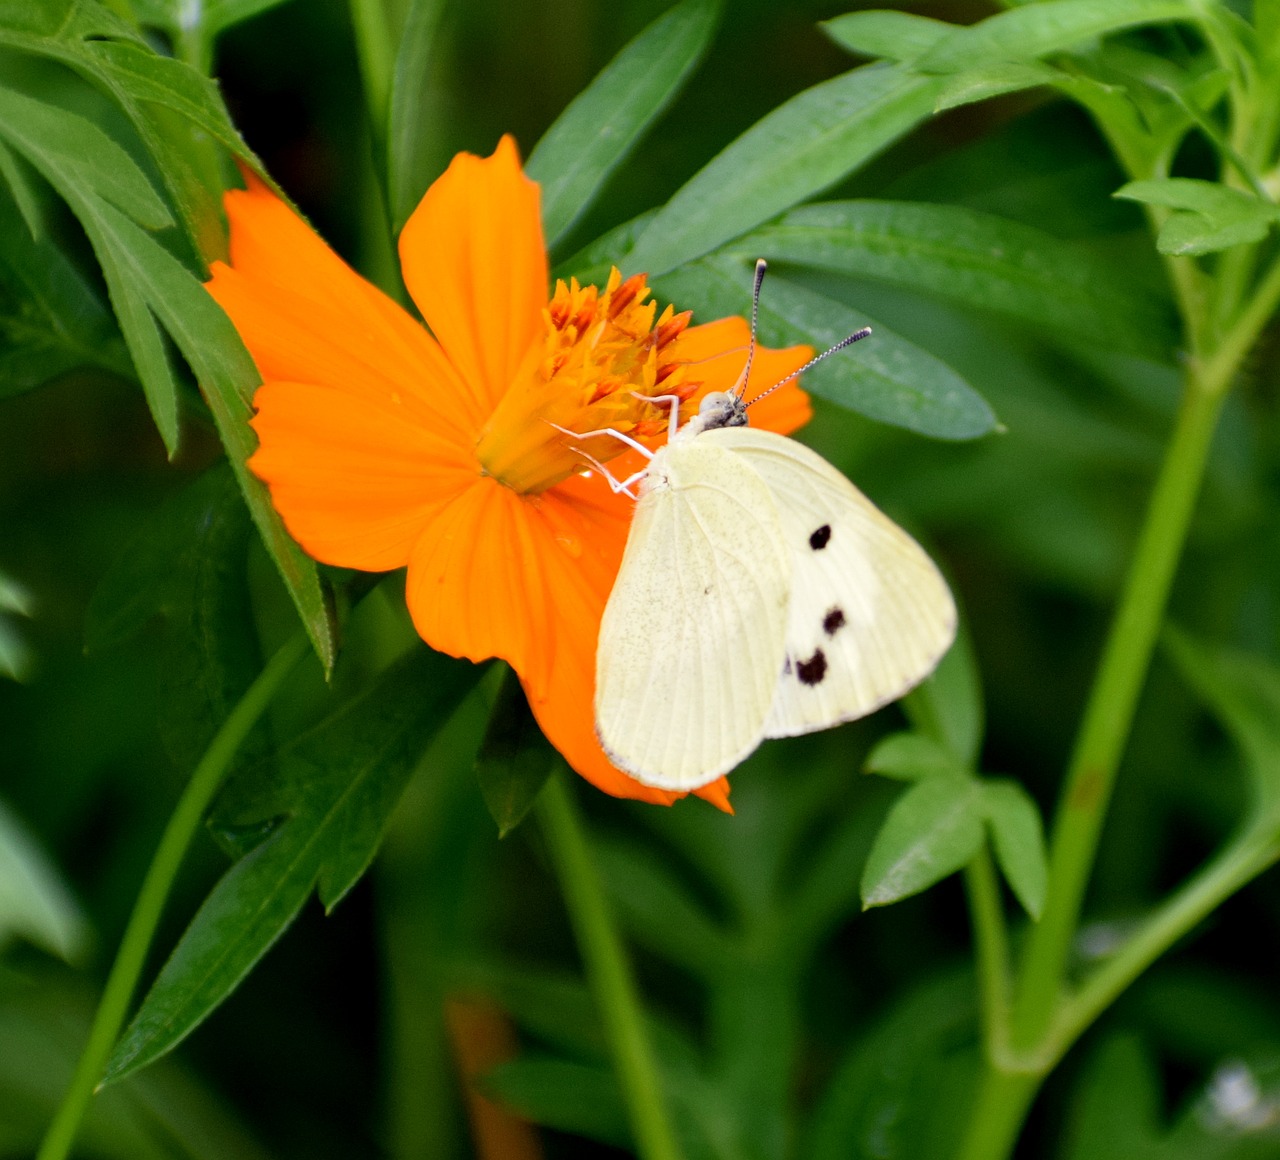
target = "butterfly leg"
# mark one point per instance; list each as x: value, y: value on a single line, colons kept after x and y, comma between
x: 673, y: 413
x: 615, y: 485
x: 638, y: 446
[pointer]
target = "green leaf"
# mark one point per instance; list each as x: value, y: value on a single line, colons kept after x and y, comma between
x: 801, y: 148
x: 947, y: 705
x: 995, y: 80
x: 16, y: 659
x: 598, y: 130
x: 515, y: 759
x: 885, y: 377
x: 52, y: 319
x: 912, y: 757
x: 330, y: 799
x: 976, y: 259
x: 1018, y: 837
x: 1214, y: 217
x: 1244, y: 693
x: 21, y: 190
x: 1036, y: 30
x: 888, y: 34
x: 415, y: 153
x: 35, y: 904
x: 571, y: 1097
x: 60, y: 142
x: 227, y: 376
x: 933, y: 830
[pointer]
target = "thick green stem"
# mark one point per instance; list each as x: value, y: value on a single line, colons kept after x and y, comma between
x: 608, y: 972
x: 132, y: 955
x: 1109, y: 713
x: 999, y: 1109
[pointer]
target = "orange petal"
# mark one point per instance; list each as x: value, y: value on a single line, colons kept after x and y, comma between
x: 474, y: 260
x: 355, y: 481
x: 306, y: 316
x: 716, y: 353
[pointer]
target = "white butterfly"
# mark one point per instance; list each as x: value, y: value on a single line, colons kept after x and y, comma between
x: 760, y: 595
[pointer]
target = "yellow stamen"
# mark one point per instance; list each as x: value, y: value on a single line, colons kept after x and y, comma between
x: 602, y: 349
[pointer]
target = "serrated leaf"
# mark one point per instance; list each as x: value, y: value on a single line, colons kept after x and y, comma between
x: 55, y: 140
x: 1243, y: 691
x: 976, y: 259
x: 1017, y: 835
x: 947, y: 705
x: 801, y: 148
x: 35, y: 903
x: 933, y: 830
x: 598, y: 130
x: 330, y: 795
x: 1036, y: 30
x: 885, y: 378
x: 912, y: 757
x: 51, y: 318
x: 888, y: 34
x: 227, y: 377
x: 515, y: 759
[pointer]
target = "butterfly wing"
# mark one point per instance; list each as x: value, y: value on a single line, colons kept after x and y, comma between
x: 870, y: 615
x: 692, y: 638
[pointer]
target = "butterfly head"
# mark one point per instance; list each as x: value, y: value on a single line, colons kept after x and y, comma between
x: 718, y: 409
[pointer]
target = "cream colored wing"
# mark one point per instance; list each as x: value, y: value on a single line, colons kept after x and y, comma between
x: 691, y: 643
x: 870, y: 614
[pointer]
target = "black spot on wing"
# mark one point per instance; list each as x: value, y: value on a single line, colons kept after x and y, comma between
x: 833, y: 622
x: 819, y: 538
x: 814, y: 669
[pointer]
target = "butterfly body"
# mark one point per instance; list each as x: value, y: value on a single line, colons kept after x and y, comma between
x: 760, y: 595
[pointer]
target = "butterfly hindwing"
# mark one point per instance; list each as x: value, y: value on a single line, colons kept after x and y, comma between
x: 869, y: 616
x: 692, y: 639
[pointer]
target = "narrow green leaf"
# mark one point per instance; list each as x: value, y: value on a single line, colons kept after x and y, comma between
x: 571, y: 1097
x: 1035, y: 30
x: 976, y: 259
x: 601, y: 126
x: 1214, y: 217
x: 51, y: 318
x: 885, y: 377
x: 888, y: 34
x: 912, y: 757
x: 331, y: 795
x: 57, y: 141
x: 1018, y: 837
x: 801, y: 148
x: 228, y: 378
x: 994, y: 80
x: 933, y: 830
x: 591, y: 264
x: 947, y: 705
x: 22, y: 191
x: 35, y: 904
x: 1243, y: 691
x: 515, y: 759
x: 415, y: 152
x: 1116, y: 1114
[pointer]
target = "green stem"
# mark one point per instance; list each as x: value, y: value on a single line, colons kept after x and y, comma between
x: 1237, y: 865
x: 131, y: 957
x: 377, y: 57
x: 992, y: 949
x: 1001, y: 1104
x: 1109, y: 713
x: 608, y: 971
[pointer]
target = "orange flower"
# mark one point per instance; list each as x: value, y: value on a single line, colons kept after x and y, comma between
x: 385, y: 445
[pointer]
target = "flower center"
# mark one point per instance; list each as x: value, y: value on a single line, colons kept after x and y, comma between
x: 602, y: 359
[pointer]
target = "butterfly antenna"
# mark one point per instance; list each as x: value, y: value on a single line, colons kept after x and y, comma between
x: 856, y: 336
x: 761, y: 267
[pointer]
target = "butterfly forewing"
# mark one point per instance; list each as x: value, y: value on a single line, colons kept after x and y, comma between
x: 869, y: 616
x: 693, y: 636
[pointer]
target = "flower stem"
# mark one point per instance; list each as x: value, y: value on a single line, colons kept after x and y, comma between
x: 131, y: 957
x: 608, y: 971
x: 1110, y: 710
x: 992, y: 942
